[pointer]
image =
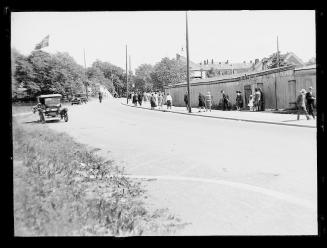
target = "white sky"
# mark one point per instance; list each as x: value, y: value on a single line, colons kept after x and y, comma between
x: 150, y: 36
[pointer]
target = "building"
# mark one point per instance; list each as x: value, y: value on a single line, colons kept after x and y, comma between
x: 279, y: 85
x: 206, y: 68
x: 290, y: 58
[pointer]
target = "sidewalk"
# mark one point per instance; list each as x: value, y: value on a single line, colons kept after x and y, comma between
x: 259, y: 117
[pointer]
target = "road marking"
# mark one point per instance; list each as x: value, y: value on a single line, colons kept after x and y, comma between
x: 242, y: 186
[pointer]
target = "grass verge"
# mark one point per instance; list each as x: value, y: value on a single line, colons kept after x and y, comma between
x: 61, y: 188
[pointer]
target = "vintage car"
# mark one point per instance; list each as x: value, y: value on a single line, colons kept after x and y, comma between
x: 79, y: 98
x: 49, y: 108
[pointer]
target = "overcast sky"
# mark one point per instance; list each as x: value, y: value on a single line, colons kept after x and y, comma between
x: 150, y: 36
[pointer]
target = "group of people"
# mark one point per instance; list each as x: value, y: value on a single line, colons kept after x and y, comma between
x: 256, y: 103
x: 305, y: 103
x: 157, y: 99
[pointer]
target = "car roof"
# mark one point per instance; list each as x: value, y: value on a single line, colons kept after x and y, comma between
x: 50, y: 95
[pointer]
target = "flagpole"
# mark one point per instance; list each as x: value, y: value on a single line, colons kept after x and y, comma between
x: 126, y: 77
x: 188, y: 68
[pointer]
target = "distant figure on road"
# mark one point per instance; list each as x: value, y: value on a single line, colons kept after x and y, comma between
x: 262, y: 100
x: 153, y: 101
x: 160, y: 100
x: 202, y: 103
x: 310, y: 102
x: 134, y: 99
x: 225, y: 100
x: 100, y: 96
x: 208, y: 102
x: 139, y: 98
x: 239, y: 100
x: 250, y: 104
x: 300, y: 102
x: 186, y: 100
x: 169, y: 101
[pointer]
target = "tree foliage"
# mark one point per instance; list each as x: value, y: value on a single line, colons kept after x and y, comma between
x: 168, y: 72
x: 273, y: 61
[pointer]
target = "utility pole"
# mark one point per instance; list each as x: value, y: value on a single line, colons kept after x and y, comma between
x: 188, y: 68
x: 126, y: 77
x: 278, y: 75
x: 85, y: 84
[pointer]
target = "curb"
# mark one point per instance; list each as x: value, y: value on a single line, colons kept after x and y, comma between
x: 224, y: 118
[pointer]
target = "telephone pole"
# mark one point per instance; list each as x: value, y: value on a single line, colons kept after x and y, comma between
x: 85, y: 84
x: 188, y: 69
x: 126, y: 77
x: 278, y: 75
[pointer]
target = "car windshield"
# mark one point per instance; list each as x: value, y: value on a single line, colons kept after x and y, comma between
x: 52, y: 101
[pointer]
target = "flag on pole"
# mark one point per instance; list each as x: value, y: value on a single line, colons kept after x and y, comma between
x: 43, y: 43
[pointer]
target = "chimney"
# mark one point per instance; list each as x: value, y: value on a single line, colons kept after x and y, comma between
x: 256, y: 61
x: 250, y: 61
x: 204, y: 62
x: 211, y: 61
x: 244, y: 62
x: 207, y: 61
x: 227, y: 61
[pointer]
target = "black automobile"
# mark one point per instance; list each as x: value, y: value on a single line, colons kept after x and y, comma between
x: 49, y: 108
x: 79, y: 99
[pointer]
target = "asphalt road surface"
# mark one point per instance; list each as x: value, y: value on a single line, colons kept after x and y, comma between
x: 223, y: 177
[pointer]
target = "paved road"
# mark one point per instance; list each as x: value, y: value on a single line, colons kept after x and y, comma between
x: 223, y: 177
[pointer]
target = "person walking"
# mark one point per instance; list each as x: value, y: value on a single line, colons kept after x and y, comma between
x: 201, y: 102
x: 135, y: 99
x: 160, y: 100
x: 208, y: 101
x: 310, y: 98
x: 152, y: 101
x: 300, y: 102
x: 262, y: 100
x: 250, y: 104
x: 239, y: 100
x: 169, y: 101
x: 100, y: 96
x: 186, y: 100
x: 225, y: 100
x: 257, y: 97
x: 140, y: 98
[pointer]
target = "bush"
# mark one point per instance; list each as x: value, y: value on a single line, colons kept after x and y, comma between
x: 61, y: 188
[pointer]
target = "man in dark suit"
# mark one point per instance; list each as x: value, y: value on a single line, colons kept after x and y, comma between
x: 310, y: 102
x: 186, y: 100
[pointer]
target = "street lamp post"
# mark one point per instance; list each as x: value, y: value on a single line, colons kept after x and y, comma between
x: 188, y: 68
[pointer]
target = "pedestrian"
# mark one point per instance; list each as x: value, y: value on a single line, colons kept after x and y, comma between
x: 239, y: 100
x: 152, y: 101
x: 134, y: 99
x: 225, y: 100
x: 257, y: 97
x: 139, y: 98
x: 160, y: 100
x: 262, y: 100
x: 169, y: 101
x: 156, y: 97
x: 250, y: 104
x: 201, y: 102
x: 208, y: 101
x: 300, y: 102
x: 186, y: 100
x: 100, y: 96
x: 310, y: 102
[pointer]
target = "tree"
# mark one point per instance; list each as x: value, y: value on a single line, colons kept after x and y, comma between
x: 168, y: 72
x: 143, y: 80
x: 273, y: 61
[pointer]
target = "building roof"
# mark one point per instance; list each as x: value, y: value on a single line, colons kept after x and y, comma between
x: 222, y: 66
x: 50, y: 95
